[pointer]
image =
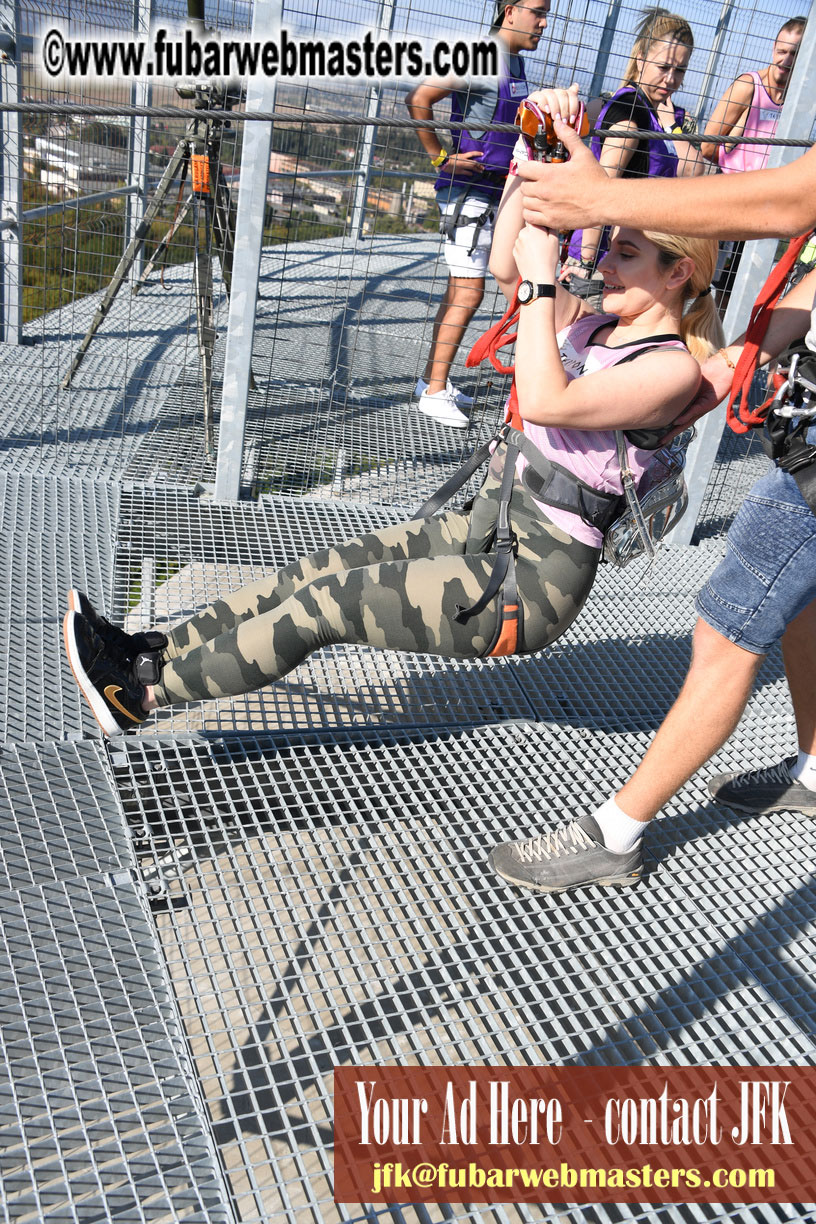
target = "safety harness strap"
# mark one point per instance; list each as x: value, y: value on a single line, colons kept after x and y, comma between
x: 805, y: 477
x: 460, y: 477
x: 742, y: 419
x: 503, y: 575
x: 792, y: 452
x: 549, y: 482
x: 453, y: 220
x: 496, y: 337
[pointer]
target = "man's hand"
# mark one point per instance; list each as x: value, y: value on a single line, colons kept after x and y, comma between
x: 566, y: 196
x: 464, y: 163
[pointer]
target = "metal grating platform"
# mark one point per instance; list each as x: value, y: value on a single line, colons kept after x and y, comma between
x: 335, y: 371
x: 325, y: 901
x: 60, y: 816
x: 106, y: 1126
x: 99, y: 1109
x: 56, y: 533
x: 200, y: 925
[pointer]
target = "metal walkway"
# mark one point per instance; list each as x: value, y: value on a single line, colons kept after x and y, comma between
x: 202, y: 920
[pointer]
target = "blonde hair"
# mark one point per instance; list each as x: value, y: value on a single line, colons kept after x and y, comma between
x: 656, y: 25
x: 700, y: 326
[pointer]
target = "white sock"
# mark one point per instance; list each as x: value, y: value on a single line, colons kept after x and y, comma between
x: 804, y: 770
x: 620, y: 832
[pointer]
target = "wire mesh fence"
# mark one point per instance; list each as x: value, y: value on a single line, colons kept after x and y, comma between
x: 350, y: 279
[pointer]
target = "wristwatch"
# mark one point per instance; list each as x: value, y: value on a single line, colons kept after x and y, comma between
x: 528, y: 292
x: 440, y: 159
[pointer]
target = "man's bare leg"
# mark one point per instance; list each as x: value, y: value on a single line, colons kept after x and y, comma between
x: 462, y: 298
x: 707, y: 710
x: 799, y: 654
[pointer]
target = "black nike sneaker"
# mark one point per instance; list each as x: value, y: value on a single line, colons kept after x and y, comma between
x: 140, y: 652
x: 109, y: 688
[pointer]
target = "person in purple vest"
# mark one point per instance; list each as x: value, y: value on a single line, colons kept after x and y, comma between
x: 468, y: 188
x: 750, y: 107
x: 656, y: 69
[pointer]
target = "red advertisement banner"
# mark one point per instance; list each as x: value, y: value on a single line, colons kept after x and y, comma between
x: 575, y: 1134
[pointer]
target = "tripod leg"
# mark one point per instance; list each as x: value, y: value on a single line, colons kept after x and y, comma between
x: 126, y: 262
x: 205, y: 324
x: 163, y: 245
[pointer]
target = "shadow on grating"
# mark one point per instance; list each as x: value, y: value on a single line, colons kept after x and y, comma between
x: 326, y: 900
x: 56, y: 533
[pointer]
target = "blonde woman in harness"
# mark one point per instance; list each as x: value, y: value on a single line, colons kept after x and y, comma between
x: 430, y: 585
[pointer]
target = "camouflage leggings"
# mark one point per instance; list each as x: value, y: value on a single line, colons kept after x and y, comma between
x: 395, y: 589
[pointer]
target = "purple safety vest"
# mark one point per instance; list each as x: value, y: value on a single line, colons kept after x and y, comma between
x: 496, y: 147
x: 662, y: 157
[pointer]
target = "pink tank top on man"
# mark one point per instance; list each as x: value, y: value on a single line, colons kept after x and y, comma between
x: 762, y: 120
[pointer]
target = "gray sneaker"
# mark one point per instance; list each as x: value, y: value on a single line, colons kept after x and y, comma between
x: 565, y: 858
x: 764, y: 790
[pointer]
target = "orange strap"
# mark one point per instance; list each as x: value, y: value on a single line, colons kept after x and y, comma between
x: 488, y: 345
x: 200, y: 163
x: 742, y: 419
x: 507, y: 642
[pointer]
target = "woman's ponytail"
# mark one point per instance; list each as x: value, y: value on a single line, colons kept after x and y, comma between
x: 700, y: 326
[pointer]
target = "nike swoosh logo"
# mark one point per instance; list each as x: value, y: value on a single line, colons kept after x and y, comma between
x: 110, y: 695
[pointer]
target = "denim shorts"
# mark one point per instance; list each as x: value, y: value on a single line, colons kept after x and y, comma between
x: 768, y: 574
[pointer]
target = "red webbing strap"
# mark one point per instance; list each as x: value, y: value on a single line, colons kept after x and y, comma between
x: 742, y: 419
x: 488, y: 345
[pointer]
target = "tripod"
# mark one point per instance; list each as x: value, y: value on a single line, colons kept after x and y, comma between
x: 197, y: 156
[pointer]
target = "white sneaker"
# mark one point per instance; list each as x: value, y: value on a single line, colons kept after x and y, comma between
x: 442, y: 407
x: 462, y: 400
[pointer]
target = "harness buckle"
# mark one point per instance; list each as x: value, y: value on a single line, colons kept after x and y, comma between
x: 795, y: 380
x: 507, y: 543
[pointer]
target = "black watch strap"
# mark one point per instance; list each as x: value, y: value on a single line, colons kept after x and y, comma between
x: 538, y: 291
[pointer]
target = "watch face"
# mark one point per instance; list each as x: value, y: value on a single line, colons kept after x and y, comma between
x: 525, y: 291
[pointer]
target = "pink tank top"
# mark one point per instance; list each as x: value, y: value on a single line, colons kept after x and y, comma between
x: 762, y: 120
x: 590, y: 454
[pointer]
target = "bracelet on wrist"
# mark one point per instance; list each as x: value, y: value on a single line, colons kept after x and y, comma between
x: 441, y: 157
x: 722, y: 353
